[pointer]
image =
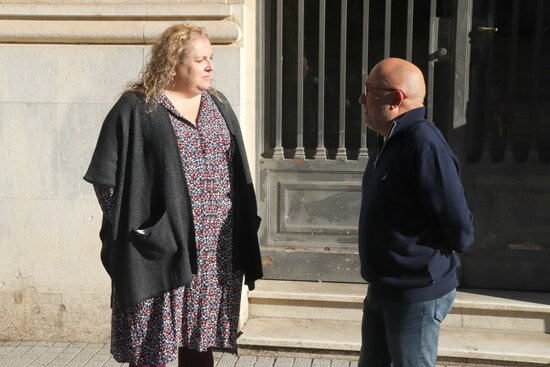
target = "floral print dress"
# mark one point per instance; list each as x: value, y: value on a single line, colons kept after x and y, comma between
x: 206, y: 313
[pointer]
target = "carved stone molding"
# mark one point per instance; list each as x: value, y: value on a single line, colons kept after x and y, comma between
x: 110, y: 24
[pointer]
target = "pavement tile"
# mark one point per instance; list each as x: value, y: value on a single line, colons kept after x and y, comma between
x: 50, y: 355
x: 217, y: 355
x: 97, y: 360
x: 77, y: 345
x: 44, y: 344
x: 5, y: 349
x: 83, y: 356
x: 14, y: 354
x: 63, y: 354
x: 340, y: 363
x: 26, y: 343
x: 320, y: 363
x: 283, y: 362
x: 227, y: 360
x: 112, y: 363
x: 246, y: 361
x: 29, y: 357
x: 61, y: 344
x: 9, y: 343
x: 264, y: 362
x: 302, y: 362
x: 64, y: 357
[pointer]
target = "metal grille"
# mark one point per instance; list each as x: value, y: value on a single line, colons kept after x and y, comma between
x: 319, y: 54
x: 509, y: 107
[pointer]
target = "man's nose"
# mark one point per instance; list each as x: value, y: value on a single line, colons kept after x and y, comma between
x: 362, y: 99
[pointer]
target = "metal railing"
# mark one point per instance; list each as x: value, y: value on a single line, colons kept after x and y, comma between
x: 343, y: 135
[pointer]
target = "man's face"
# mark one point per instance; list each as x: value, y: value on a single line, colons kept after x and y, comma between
x: 375, y: 104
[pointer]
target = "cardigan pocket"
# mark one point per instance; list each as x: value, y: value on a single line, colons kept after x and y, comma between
x: 157, y: 241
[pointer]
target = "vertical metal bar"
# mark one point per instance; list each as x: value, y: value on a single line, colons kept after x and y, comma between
x: 300, y: 152
x: 460, y: 91
x: 387, y: 29
x: 461, y: 86
x: 410, y: 22
x: 488, y: 85
x: 262, y: 13
x: 510, y: 98
x: 278, y: 152
x: 321, y: 152
x: 341, y: 151
x: 363, y: 151
x: 431, y: 51
x: 537, y: 61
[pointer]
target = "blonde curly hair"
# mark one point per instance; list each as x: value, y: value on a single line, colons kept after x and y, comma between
x: 169, y: 49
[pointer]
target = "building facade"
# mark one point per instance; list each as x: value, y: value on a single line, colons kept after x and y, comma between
x: 293, y: 71
x: 62, y: 67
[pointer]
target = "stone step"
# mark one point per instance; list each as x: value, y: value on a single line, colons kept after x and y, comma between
x: 307, y: 300
x: 341, y: 339
x: 486, y: 309
x: 300, y: 338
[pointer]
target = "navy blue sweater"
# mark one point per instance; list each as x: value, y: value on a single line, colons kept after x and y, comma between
x: 414, y: 215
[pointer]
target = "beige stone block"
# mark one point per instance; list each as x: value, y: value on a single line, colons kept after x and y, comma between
x: 78, y: 130
x: 28, y: 150
x: 52, y: 246
x: 78, y: 266
x: 29, y: 315
x: 67, y: 73
x: 227, y: 64
x: 29, y: 247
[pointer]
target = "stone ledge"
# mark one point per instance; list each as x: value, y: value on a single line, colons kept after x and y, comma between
x: 115, y: 11
x: 105, y: 31
x: 526, y: 348
x: 311, y: 337
x: 308, y: 334
x: 502, y: 300
x: 309, y: 291
x: 470, y: 299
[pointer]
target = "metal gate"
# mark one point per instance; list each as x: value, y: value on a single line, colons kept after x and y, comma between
x: 316, y: 56
x: 507, y: 151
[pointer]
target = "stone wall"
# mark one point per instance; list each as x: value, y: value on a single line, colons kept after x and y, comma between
x: 62, y: 66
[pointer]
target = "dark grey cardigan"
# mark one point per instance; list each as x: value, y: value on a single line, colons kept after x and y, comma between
x: 137, y: 152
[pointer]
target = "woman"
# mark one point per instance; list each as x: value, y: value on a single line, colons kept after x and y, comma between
x: 180, y: 223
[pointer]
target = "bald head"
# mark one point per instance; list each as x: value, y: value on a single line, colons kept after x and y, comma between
x: 393, y: 88
x: 401, y: 74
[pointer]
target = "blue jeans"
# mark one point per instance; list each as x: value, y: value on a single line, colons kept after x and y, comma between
x: 402, y: 334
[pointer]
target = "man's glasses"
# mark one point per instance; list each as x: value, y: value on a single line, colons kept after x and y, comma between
x: 368, y: 89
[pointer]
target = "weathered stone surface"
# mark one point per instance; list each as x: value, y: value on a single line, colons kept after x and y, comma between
x: 53, y: 100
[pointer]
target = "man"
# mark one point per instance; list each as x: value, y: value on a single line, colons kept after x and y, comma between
x: 414, y: 217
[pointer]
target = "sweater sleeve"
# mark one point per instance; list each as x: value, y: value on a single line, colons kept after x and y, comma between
x: 103, y: 167
x: 442, y: 196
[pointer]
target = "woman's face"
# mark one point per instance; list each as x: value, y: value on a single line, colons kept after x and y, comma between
x: 193, y: 74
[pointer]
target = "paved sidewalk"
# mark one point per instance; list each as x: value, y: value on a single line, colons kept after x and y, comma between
x: 59, y: 354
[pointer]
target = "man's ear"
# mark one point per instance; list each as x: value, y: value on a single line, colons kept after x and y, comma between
x: 398, y: 98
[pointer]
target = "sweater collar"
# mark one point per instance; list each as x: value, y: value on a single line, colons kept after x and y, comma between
x: 408, y: 121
